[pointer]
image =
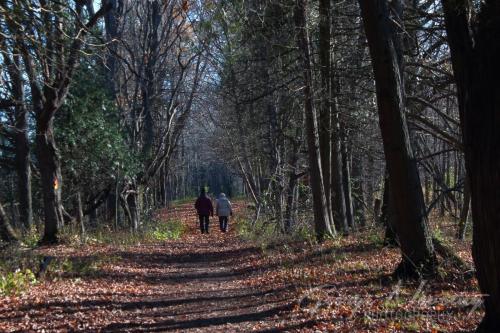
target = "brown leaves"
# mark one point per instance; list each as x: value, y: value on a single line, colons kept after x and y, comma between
x: 217, y: 282
x: 185, y: 5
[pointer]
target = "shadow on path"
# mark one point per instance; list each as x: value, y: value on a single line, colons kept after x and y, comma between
x: 170, y: 325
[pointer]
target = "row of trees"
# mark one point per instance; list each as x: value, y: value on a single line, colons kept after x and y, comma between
x: 108, y: 92
x: 295, y: 76
x: 264, y: 88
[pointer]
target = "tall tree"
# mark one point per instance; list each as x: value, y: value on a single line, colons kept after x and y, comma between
x: 322, y: 221
x: 329, y: 128
x: 325, y: 107
x: 418, y: 255
x: 475, y: 50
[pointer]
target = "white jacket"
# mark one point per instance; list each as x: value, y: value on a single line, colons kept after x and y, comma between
x: 223, y: 206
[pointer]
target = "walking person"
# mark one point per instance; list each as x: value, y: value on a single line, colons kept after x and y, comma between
x: 205, y: 209
x: 223, y: 210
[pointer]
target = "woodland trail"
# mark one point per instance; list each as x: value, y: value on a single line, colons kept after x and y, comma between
x: 220, y: 283
x: 199, y: 283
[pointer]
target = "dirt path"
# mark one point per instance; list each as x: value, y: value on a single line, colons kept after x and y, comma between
x: 219, y: 283
x: 197, y: 284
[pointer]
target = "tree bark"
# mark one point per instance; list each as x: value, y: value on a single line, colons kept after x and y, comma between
x: 477, y: 69
x: 23, y: 168
x: 7, y: 233
x: 388, y: 216
x: 325, y: 116
x: 293, y: 178
x: 79, y: 215
x: 51, y: 181
x: 131, y: 205
x: 418, y: 256
x: 464, y: 213
x: 338, y: 189
x: 346, y: 183
x: 323, y: 226
x: 359, y: 190
x: 338, y: 192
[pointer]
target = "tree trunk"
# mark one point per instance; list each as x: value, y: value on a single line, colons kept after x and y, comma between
x: 377, y: 205
x: 7, y: 233
x: 338, y: 194
x: 23, y: 168
x: 388, y: 216
x: 79, y: 215
x: 359, y: 190
x: 418, y: 256
x: 346, y: 184
x: 322, y: 224
x: 464, y: 213
x: 477, y: 69
x: 22, y: 148
x: 148, y: 84
x: 291, y: 201
x: 325, y: 116
x: 51, y: 180
x: 131, y: 205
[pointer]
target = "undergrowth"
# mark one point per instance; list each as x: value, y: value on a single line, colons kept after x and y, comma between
x: 266, y: 233
x: 21, y: 266
x: 17, y: 270
x: 171, y: 229
x: 13, y: 283
x: 149, y: 232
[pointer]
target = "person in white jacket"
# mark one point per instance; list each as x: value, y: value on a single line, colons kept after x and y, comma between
x: 223, y: 210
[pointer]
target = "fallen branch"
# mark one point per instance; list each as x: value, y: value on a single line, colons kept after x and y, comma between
x: 449, y: 255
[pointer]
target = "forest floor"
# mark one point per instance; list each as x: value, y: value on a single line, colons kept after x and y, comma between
x: 221, y: 283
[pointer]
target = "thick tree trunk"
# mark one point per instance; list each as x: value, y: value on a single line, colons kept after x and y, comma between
x: 477, y: 69
x: 418, y: 255
x: 51, y: 181
x: 322, y: 224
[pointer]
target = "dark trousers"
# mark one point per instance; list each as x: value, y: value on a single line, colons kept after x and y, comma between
x: 223, y: 223
x: 204, y: 222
